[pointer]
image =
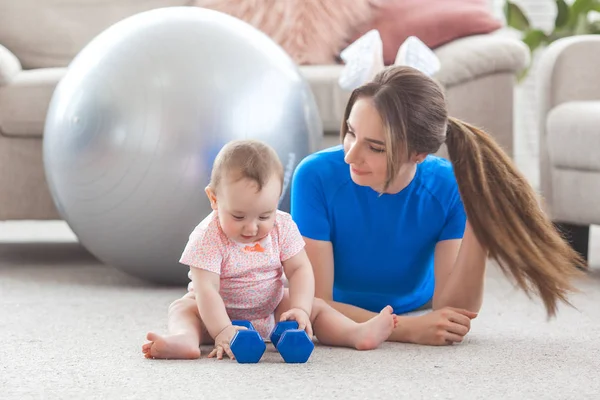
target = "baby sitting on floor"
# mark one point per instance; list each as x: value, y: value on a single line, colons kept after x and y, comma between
x: 237, y: 257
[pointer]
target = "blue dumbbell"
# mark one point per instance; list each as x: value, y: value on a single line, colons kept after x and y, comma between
x: 293, y: 344
x: 247, y: 346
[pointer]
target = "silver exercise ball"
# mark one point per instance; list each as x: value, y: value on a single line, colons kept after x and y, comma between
x: 134, y: 126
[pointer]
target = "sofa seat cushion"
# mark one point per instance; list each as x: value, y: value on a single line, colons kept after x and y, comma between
x: 24, y: 102
x: 573, y: 139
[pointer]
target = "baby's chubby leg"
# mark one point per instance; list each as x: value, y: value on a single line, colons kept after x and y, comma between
x: 185, y: 332
x: 332, y: 328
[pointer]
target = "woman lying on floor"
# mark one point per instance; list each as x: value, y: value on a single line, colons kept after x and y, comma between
x: 387, y: 222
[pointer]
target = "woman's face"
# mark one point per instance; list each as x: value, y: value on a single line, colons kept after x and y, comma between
x: 364, y: 145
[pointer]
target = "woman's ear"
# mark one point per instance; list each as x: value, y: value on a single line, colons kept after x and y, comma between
x: 212, y: 197
x: 418, y: 158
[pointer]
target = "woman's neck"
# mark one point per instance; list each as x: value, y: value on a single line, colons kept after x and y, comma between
x: 405, y: 176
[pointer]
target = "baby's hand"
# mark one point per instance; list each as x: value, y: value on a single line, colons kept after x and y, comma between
x: 223, y: 340
x: 301, y: 317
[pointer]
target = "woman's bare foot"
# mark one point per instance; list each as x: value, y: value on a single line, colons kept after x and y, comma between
x: 171, y: 346
x: 375, y: 331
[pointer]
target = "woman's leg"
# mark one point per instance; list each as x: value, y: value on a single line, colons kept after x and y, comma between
x: 185, y: 332
x: 332, y: 328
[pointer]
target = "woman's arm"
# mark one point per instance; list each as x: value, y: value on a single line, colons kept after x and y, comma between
x: 459, y: 272
x: 320, y: 254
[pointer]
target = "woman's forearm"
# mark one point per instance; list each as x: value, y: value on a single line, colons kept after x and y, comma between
x: 402, y: 332
x: 464, y: 287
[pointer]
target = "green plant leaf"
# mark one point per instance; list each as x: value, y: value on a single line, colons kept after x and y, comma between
x: 521, y: 75
x: 557, y: 35
x: 515, y: 17
x: 534, y: 38
x: 582, y: 25
x: 594, y: 28
x: 577, y: 8
x: 562, y: 14
x: 580, y: 6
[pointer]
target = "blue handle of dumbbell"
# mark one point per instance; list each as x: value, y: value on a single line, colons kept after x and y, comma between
x: 280, y: 328
x: 242, y: 322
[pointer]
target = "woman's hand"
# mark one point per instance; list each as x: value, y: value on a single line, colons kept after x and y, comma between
x: 445, y: 326
x: 223, y: 340
x: 301, y: 317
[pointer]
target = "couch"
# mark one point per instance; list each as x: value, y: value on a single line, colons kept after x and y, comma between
x: 568, y: 82
x: 39, y: 38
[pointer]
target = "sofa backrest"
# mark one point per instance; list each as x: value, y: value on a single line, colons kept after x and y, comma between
x: 49, y: 33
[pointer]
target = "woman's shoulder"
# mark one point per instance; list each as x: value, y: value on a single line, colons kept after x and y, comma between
x: 322, y: 162
x: 440, y: 166
x: 437, y: 176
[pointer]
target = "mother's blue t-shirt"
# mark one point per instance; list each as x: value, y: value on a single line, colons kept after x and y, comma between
x: 383, y: 245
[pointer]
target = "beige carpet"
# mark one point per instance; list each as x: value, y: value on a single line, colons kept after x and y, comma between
x: 72, y: 328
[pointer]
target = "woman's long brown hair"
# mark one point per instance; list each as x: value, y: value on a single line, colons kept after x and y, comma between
x: 501, y: 206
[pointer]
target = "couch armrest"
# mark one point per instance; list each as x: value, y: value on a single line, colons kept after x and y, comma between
x: 567, y: 71
x: 9, y: 66
x: 475, y: 56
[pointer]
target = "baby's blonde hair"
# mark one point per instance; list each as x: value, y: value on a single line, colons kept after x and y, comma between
x: 246, y: 159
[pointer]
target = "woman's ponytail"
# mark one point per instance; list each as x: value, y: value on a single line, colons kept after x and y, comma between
x: 506, y: 217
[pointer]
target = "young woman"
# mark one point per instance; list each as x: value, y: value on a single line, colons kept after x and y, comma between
x: 387, y: 222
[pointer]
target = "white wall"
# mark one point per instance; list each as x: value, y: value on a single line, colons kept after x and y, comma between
x: 540, y: 12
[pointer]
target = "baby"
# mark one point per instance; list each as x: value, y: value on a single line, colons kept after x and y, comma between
x: 237, y: 257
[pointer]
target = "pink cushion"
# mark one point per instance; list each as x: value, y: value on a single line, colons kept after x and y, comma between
x: 310, y: 31
x: 435, y: 22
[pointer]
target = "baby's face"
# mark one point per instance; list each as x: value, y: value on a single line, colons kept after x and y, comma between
x: 245, y: 214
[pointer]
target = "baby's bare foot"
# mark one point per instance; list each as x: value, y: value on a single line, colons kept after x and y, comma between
x: 375, y: 331
x: 171, y: 346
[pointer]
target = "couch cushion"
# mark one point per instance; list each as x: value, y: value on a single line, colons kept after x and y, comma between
x: 575, y: 196
x: 573, y: 136
x: 9, y: 66
x: 435, y: 22
x: 479, y: 55
x: 24, y: 103
x: 312, y: 32
x: 331, y: 99
x: 50, y: 33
